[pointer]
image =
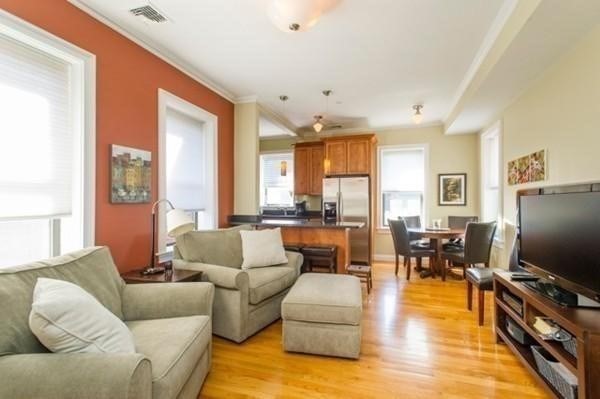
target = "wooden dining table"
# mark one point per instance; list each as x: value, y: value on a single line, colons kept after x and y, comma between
x: 436, y: 237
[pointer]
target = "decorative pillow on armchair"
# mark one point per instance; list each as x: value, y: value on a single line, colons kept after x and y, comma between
x: 66, y: 319
x: 262, y: 248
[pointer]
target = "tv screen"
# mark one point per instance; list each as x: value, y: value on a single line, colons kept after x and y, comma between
x: 560, y: 234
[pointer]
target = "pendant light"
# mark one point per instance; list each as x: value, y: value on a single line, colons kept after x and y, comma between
x: 318, y: 125
x: 418, y: 116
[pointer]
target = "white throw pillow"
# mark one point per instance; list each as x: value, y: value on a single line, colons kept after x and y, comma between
x: 262, y: 248
x: 66, y: 319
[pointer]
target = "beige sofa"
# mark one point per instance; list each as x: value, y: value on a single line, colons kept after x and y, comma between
x: 246, y: 301
x: 170, y: 323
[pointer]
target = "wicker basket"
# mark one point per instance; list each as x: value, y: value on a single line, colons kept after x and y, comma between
x: 560, y: 378
x: 571, y: 346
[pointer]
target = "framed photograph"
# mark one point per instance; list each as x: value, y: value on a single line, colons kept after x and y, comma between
x: 537, y: 166
x: 528, y: 169
x: 453, y: 189
x: 131, y: 175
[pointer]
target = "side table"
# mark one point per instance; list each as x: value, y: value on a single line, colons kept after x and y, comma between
x: 175, y: 276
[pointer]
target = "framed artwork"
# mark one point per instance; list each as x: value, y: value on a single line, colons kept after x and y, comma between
x: 528, y: 169
x: 131, y: 175
x: 452, y: 189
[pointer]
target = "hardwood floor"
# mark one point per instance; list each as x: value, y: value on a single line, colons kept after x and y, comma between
x: 419, y: 341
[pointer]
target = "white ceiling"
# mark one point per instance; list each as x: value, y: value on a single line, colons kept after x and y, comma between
x: 379, y: 56
x: 465, y: 60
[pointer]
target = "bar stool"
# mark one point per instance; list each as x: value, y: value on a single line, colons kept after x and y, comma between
x: 320, y: 255
x: 364, y: 273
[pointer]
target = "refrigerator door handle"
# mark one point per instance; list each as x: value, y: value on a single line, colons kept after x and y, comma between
x: 341, y: 202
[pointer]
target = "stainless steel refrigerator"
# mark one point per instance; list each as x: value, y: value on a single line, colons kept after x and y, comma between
x: 352, y: 197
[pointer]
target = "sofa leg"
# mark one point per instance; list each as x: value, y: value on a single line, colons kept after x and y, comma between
x: 481, y: 305
x: 469, y: 295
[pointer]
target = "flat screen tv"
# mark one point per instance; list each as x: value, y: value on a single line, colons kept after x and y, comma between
x: 560, y: 239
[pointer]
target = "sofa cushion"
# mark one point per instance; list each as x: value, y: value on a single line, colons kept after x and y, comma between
x: 261, y: 248
x: 91, y: 269
x: 324, y: 298
x: 174, y: 347
x: 67, y: 319
x: 221, y: 247
x: 265, y: 282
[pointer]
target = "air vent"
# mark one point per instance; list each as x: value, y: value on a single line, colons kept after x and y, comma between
x: 149, y: 12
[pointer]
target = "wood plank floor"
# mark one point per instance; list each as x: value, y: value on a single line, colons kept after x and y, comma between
x: 419, y: 341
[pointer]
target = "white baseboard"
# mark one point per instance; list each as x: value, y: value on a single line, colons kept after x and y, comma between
x: 383, y: 258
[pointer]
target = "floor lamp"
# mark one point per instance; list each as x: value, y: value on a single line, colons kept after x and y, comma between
x: 178, y: 223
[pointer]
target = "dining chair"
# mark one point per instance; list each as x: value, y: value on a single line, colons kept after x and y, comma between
x: 402, y: 246
x: 478, y: 244
x: 414, y: 222
x: 458, y: 223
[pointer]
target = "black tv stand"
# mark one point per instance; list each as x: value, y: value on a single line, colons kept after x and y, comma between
x: 560, y: 295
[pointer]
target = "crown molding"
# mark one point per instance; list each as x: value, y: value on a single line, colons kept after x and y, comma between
x: 161, y: 53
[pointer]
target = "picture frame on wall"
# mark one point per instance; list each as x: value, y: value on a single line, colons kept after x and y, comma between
x: 452, y: 189
x: 131, y: 175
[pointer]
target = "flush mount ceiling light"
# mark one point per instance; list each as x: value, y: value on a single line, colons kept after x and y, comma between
x: 418, y: 116
x: 318, y: 125
x: 294, y: 15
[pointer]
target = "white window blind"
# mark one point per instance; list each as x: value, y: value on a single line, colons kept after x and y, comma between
x: 37, y: 151
x: 490, y: 163
x: 277, y: 188
x: 186, y: 155
x: 402, y: 172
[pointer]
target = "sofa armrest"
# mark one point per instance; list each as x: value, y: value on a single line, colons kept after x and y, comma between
x: 164, y: 300
x: 295, y: 260
x: 76, y: 375
x: 221, y: 276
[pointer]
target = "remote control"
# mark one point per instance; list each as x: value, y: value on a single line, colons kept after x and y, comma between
x: 523, y: 277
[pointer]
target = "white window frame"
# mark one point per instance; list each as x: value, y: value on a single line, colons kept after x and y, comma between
x: 209, y: 121
x: 83, y: 94
x: 493, y: 130
x: 426, y: 200
x: 273, y: 152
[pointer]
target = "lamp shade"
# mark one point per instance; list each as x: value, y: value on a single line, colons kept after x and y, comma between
x: 178, y: 223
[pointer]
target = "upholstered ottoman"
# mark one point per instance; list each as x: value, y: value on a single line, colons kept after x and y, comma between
x: 321, y: 315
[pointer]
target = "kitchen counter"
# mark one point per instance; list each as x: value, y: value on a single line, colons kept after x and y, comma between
x: 286, y: 222
x: 307, y: 232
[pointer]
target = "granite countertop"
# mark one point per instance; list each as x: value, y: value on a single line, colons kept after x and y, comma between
x: 255, y: 220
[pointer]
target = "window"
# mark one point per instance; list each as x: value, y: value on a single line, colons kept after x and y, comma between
x: 46, y: 135
x: 187, y: 153
x: 491, y: 176
x: 277, y: 179
x: 402, y: 182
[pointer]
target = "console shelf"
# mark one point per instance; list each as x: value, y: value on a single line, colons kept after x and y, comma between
x: 583, y: 324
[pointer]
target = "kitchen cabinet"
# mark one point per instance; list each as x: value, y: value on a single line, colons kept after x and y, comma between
x: 350, y: 155
x: 308, y: 168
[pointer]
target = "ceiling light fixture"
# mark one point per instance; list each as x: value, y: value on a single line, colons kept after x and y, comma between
x: 418, y: 116
x: 294, y: 15
x: 318, y: 125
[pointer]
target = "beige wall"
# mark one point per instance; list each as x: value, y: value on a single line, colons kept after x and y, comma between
x: 246, y: 148
x: 447, y: 154
x: 559, y: 113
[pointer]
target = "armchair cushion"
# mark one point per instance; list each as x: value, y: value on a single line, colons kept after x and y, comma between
x: 220, y: 276
x: 173, y: 347
x: 221, y: 247
x: 67, y: 319
x: 265, y: 282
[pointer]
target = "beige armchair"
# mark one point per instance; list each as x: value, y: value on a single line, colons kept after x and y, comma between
x: 171, y: 325
x: 246, y: 301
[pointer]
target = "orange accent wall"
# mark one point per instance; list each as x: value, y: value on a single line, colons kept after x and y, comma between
x: 127, y: 82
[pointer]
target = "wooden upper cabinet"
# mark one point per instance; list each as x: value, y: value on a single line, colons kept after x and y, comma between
x: 302, y: 170
x: 317, y: 156
x: 359, y: 156
x: 336, y: 153
x: 351, y: 155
